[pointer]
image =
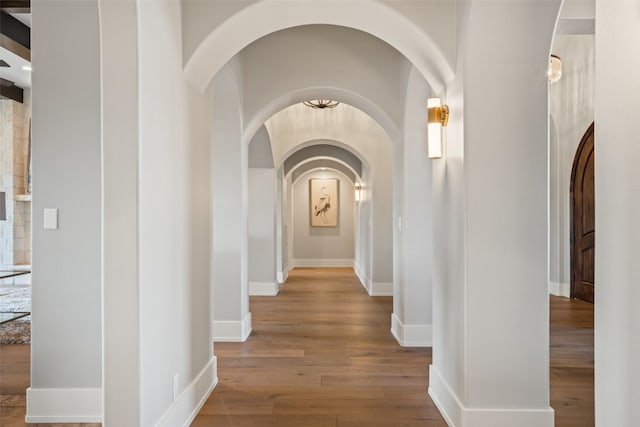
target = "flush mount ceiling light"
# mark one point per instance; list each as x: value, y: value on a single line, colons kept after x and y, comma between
x: 555, y: 69
x: 321, y: 104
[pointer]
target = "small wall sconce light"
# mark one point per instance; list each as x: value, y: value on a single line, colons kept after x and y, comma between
x: 555, y: 69
x: 358, y: 188
x: 437, y: 118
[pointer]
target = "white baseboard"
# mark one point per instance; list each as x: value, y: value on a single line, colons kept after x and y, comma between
x: 64, y: 405
x: 186, y: 407
x: 321, y: 262
x: 560, y: 289
x: 281, y: 276
x: 411, y: 335
x: 374, y: 289
x: 381, y: 289
x: 456, y: 415
x: 269, y: 289
x: 364, y: 280
x: 232, y: 330
x: 444, y: 398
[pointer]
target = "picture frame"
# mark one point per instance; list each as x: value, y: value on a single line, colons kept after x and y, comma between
x: 324, y: 201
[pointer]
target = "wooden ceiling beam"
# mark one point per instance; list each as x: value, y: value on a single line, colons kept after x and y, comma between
x: 15, y: 6
x: 15, y: 36
x: 10, y: 91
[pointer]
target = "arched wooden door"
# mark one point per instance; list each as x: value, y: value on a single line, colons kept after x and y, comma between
x: 583, y: 216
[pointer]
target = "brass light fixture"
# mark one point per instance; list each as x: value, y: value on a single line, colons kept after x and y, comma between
x: 555, y: 69
x: 437, y: 118
x: 358, y: 188
x: 321, y: 104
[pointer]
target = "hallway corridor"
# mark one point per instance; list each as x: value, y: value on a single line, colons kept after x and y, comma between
x: 321, y: 354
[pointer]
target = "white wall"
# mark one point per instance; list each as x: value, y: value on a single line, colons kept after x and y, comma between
x: 491, y: 366
x: 262, y: 226
x: 323, y: 246
x: 412, y: 252
x: 301, y: 54
x: 66, y: 301
x: 158, y: 243
x: 571, y: 106
x: 260, y: 155
x: 422, y: 31
x: 120, y: 148
x: 230, y: 202
x: 617, y: 149
x: 175, y: 225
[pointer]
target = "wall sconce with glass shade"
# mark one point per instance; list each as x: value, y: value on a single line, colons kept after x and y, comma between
x: 358, y: 191
x: 555, y: 69
x: 437, y: 118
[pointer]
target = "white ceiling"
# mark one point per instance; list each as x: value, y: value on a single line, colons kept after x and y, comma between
x: 15, y: 73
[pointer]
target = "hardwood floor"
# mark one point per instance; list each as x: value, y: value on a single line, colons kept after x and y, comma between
x: 321, y: 355
x: 571, y: 362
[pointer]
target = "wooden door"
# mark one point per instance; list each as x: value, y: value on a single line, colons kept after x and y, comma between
x: 583, y: 215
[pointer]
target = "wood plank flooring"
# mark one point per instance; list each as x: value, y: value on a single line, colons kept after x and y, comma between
x: 321, y: 355
x: 571, y: 362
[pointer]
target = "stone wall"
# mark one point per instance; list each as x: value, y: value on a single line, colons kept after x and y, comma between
x: 15, y: 232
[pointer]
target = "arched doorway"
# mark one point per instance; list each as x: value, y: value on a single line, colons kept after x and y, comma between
x: 583, y: 219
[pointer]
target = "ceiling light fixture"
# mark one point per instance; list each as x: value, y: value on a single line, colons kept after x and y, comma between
x: 321, y: 104
x: 555, y: 69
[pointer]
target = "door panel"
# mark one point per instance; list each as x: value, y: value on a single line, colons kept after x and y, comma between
x: 583, y: 219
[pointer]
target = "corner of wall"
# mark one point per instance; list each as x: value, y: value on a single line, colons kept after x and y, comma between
x: 560, y: 289
x: 411, y: 335
x: 457, y: 415
x: 184, y: 410
x: 232, y: 330
x: 364, y: 280
x: 268, y: 289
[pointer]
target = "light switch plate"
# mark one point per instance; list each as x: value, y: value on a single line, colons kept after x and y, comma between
x: 51, y: 219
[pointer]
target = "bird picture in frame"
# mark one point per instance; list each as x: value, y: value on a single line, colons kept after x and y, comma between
x: 324, y: 200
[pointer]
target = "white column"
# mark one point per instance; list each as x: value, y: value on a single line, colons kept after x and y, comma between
x: 617, y: 150
x: 281, y: 271
x: 412, y: 316
x: 262, y: 232
x: 121, y: 356
x: 491, y: 320
x: 66, y: 349
x: 231, y: 316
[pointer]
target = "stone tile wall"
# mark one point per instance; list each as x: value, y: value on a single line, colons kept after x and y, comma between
x: 15, y: 232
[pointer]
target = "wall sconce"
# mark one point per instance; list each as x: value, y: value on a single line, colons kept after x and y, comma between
x: 437, y: 118
x: 555, y: 69
x: 358, y: 188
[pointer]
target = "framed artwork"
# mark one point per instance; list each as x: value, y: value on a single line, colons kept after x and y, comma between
x: 324, y: 201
